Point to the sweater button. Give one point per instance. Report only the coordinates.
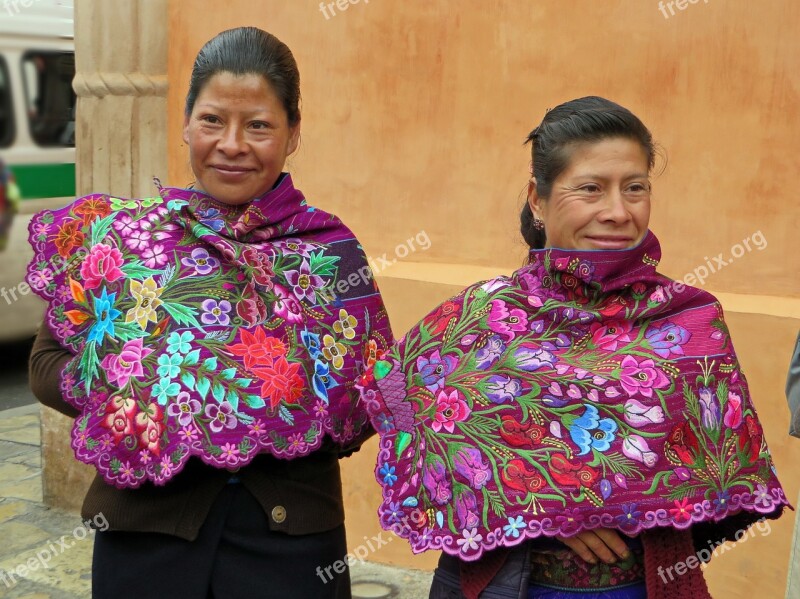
(279, 514)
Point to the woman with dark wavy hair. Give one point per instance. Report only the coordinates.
(581, 429)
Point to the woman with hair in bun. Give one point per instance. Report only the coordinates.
(207, 341)
(582, 428)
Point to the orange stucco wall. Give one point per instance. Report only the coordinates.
(413, 117)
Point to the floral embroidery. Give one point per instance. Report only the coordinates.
(202, 329)
(571, 395)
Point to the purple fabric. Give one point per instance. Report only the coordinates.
(205, 329)
(585, 391)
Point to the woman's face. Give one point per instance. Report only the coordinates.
(601, 201)
(239, 137)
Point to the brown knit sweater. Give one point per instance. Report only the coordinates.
(308, 489)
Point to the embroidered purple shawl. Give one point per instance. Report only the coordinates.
(205, 329)
(584, 391)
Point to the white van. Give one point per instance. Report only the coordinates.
(37, 137)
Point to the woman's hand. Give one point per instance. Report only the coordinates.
(603, 543)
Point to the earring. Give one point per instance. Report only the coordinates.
(538, 224)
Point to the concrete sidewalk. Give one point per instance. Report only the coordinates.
(62, 569)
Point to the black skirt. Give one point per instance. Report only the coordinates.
(236, 555)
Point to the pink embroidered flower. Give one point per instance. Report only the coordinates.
(138, 240)
(297, 442)
(155, 257)
(102, 264)
(636, 448)
(230, 453)
(638, 414)
(119, 419)
(184, 407)
(39, 279)
(507, 322)
(612, 335)
(450, 408)
(641, 377)
(125, 225)
(150, 426)
(303, 282)
(733, 411)
(121, 367)
(287, 306)
(189, 434)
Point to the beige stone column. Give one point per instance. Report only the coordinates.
(121, 83)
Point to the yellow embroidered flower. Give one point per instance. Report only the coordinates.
(345, 325)
(333, 351)
(147, 299)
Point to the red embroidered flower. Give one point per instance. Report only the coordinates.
(119, 419)
(69, 236)
(683, 442)
(257, 348)
(751, 438)
(517, 434)
(150, 426)
(281, 382)
(438, 321)
(516, 475)
(570, 473)
(92, 208)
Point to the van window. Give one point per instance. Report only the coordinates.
(6, 107)
(50, 101)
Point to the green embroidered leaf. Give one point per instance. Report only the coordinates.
(100, 229)
(91, 443)
(254, 401)
(203, 385)
(181, 314)
(188, 380)
(243, 383)
(128, 331)
(311, 435)
(89, 363)
(210, 364)
(228, 374)
(218, 392)
(286, 415)
(279, 440)
(137, 270)
(324, 266)
(192, 358)
(233, 399)
(115, 465)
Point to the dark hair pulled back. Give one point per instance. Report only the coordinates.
(249, 51)
(588, 119)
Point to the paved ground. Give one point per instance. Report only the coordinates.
(46, 553)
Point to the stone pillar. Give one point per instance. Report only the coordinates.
(121, 83)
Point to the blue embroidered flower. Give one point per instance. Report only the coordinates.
(667, 338)
(180, 343)
(514, 526)
(387, 472)
(434, 370)
(105, 313)
(209, 217)
(722, 501)
(490, 353)
(322, 380)
(385, 422)
(592, 432)
(630, 515)
(311, 343)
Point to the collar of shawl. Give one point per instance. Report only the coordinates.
(584, 391)
(204, 329)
